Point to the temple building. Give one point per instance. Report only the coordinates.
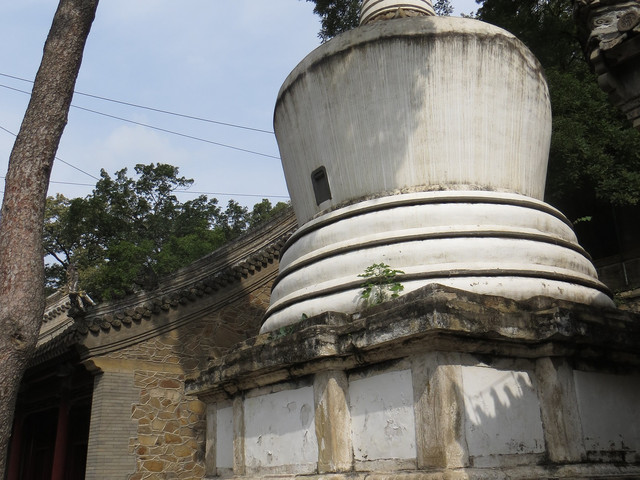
(104, 395)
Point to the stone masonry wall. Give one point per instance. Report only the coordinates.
(169, 425)
(170, 429)
(629, 300)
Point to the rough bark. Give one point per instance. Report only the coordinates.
(22, 298)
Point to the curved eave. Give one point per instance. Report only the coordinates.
(238, 260)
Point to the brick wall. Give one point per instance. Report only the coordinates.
(107, 455)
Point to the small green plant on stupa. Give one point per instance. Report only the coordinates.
(380, 284)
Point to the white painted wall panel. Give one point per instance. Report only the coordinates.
(503, 413)
(280, 430)
(224, 438)
(609, 408)
(382, 418)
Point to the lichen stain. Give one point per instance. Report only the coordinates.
(305, 415)
(393, 429)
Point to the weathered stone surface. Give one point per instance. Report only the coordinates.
(197, 406)
(183, 451)
(434, 315)
(333, 423)
(170, 384)
(439, 403)
(562, 422)
(484, 384)
(148, 440)
(171, 438)
(153, 465)
(610, 33)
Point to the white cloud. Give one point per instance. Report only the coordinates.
(128, 145)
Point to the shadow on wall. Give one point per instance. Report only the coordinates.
(502, 412)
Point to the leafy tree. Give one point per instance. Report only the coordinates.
(130, 231)
(443, 7)
(594, 162)
(341, 15)
(22, 298)
(263, 211)
(545, 26)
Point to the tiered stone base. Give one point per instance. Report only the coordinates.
(440, 383)
(486, 242)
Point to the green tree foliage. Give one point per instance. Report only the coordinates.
(443, 7)
(130, 231)
(594, 164)
(338, 16)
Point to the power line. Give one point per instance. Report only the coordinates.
(222, 194)
(233, 194)
(155, 128)
(182, 115)
(153, 109)
(57, 158)
(177, 191)
(253, 152)
(164, 130)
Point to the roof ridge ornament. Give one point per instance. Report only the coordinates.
(375, 10)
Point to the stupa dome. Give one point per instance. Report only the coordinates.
(422, 143)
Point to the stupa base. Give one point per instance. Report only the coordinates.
(438, 384)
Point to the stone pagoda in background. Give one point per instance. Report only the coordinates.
(421, 143)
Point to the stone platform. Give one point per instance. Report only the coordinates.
(440, 383)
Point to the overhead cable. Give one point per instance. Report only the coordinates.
(177, 191)
(164, 130)
(222, 194)
(57, 158)
(153, 109)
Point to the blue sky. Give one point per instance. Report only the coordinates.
(223, 61)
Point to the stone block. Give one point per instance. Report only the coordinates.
(153, 465)
(280, 431)
(502, 412)
(382, 417)
(148, 440)
(182, 451)
(171, 438)
(196, 406)
(333, 422)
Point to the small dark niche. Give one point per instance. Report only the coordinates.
(320, 183)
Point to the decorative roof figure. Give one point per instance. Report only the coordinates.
(375, 10)
(610, 34)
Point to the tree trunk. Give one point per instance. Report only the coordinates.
(22, 298)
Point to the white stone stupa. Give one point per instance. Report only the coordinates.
(421, 143)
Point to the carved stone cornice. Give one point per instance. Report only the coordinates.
(610, 34)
